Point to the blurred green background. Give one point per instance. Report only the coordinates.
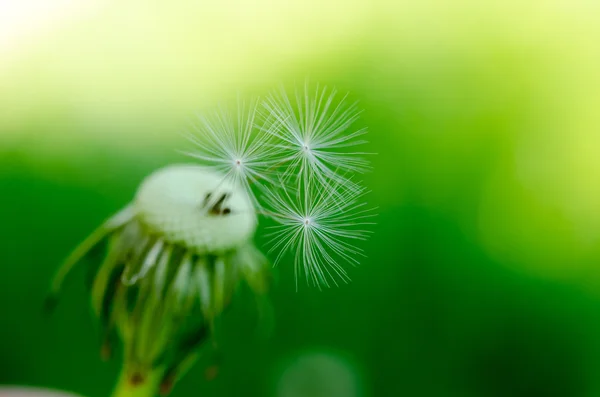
(482, 278)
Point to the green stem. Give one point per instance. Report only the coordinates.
(129, 386)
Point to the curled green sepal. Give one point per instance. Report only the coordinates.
(99, 235)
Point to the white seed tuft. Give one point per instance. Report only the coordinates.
(231, 143)
(321, 230)
(297, 159)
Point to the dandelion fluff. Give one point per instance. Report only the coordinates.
(231, 143)
(321, 230)
(316, 136)
(301, 154)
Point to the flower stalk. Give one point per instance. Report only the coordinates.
(130, 385)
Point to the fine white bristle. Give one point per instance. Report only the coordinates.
(233, 145)
(321, 230)
(315, 135)
(301, 152)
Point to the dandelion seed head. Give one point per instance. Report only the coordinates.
(174, 257)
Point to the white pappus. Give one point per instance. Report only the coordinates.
(297, 157)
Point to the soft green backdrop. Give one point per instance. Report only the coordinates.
(482, 278)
